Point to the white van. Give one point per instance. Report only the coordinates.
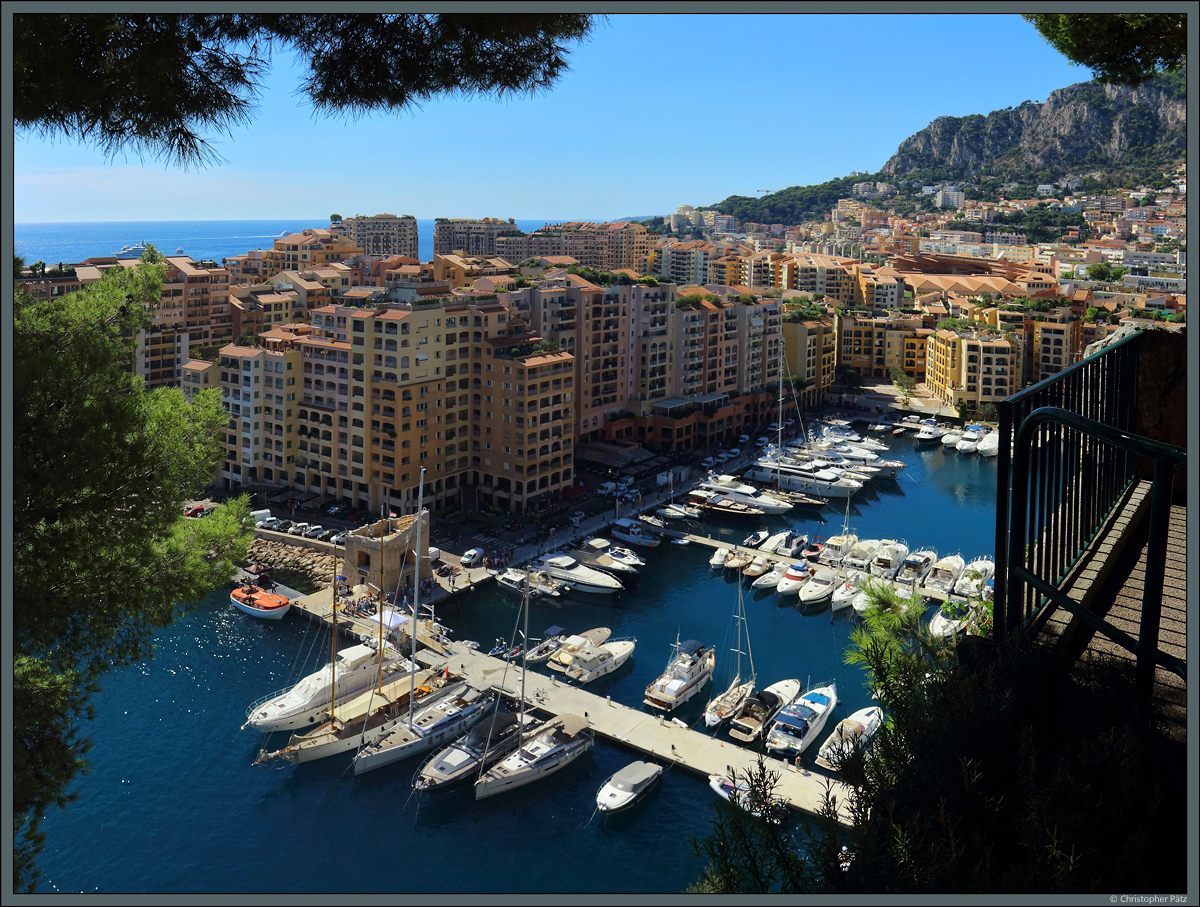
(260, 516)
(607, 488)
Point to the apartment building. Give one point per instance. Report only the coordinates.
(810, 351)
(461, 270)
(308, 249)
(379, 234)
(472, 238)
(874, 346)
(971, 367)
(604, 247)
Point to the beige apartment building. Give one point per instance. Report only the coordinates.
(308, 249)
(604, 247)
(379, 234)
(472, 238)
(875, 345)
(972, 367)
(810, 348)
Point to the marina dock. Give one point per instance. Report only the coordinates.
(665, 740)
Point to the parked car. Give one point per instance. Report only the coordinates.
(337, 538)
(707, 462)
(284, 526)
(314, 531)
(299, 528)
(472, 558)
(735, 453)
(744, 439)
(607, 488)
(193, 510)
(272, 524)
(328, 534)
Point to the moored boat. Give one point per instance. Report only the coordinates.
(551, 747)
(593, 662)
(760, 707)
(564, 655)
(496, 735)
(582, 578)
(454, 709)
(794, 578)
(888, 559)
(940, 580)
(689, 669)
(552, 639)
(850, 734)
(635, 532)
(798, 724)
(258, 602)
(627, 786)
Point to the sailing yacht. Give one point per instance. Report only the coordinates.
(722, 706)
(453, 710)
(487, 743)
(553, 745)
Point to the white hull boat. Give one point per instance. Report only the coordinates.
(974, 578)
(795, 578)
(850, 734)
(989, 444)
(737, 490)
(537, 583)
(721, 707)
(770, 579)
(455, 710)
(859, 557)
(309, 701)
(496, 735)
(819, 589)
(844, 594)
(738, 794)
(687, 672)
(916, 567)
(836, 548)
(582, 579)
(627, 787)
(616, 552)
(635, 532)
(250, 599)
(756, 712)
(940, 580)
(797, 725)
(564, 655)
(552, 639)
(719, 557)
(593, 662)
(553, 746)
(888, 559)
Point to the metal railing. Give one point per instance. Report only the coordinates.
(1067, 461)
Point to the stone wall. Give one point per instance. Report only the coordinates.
(319, 565)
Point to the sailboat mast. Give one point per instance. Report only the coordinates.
(412, 640)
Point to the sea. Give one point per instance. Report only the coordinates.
(173, 804)
(206, 240)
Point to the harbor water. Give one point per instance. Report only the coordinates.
(173, 803)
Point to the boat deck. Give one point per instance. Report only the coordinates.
(652, 734)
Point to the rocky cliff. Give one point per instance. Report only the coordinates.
(1080, 129)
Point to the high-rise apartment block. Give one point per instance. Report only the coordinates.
(380, 234)
(472, 238)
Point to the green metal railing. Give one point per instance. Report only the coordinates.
(1068, 468)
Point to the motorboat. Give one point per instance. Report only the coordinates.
(794, 545)
(771, 578)
(989, 444)
(258, 602)
(928, 433)
(916, 567)
(723, 505)
(952, 617)
(717, 561)
(757, 567)
(654, 522)
(819, 589)
(687, 671)
(970, 439)
(760, 707)
(940, 580)
(678, 512)
(635, 532)
(602, 561)
(552, 639)
(550, 747)
(616, 552)
(455, 708)
(738, 794)
(888, 559)
(722, 706)
(493, 738)
(756, 538)
(359, 721)
(582, 578)
(844, 594)
(353, 670)
(974, 576)
(951, 438)
(812, 550)
(850, 734)
(798, 724)
(794, 578)
(537, 583)
(829, 486)
(772, 542)
(860, 555)
(737, 560)
(564, 655)
(133, 250)
(836, 548)
(736, 490)
(628, 786)
(593, 662)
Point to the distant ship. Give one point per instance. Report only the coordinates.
(136, 248)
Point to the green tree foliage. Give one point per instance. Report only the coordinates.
(1123, 48)
(793, 205)
(904, 382)
(101, 553)
(1105, 272)
(152, 83)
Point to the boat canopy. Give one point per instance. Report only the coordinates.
(690, 647)
(553, 631)
(634, 775)
(797, 715)
(354, 656)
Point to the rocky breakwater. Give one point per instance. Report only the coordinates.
(317, 565)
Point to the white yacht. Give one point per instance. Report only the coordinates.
(760, 707)
(989, 444)
(564, 655)
(794, 578)
(797, 725)
(593, 662)
(616, 552)
(454, 709)
(636, 532)
(916, 567)
(552, 639)
(850, 734)
(888, 559)
(970, 439)
(836, 548)
(687, 672)
(552, 746)
(536, 583)
(928, 433)
(736, 490)
(496, 735)
(309, 701)
(582, 579)
(859, 557)
(819, 589)
(844, 594)
(974, 577)
(940, 580)
(792, 472)
(771, 578)
(951, 438)
(626, 787)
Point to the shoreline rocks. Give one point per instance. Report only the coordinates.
(319, 566)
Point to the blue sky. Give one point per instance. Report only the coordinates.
(656, 111)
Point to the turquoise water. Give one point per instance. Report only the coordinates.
(173, 804)
(211, 240)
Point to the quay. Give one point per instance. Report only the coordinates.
(668, 741)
